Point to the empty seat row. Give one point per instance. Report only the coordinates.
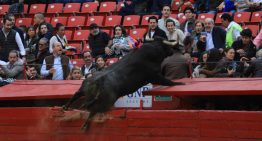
(87, 7)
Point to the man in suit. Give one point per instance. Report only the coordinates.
(214, 37)
(153, 30)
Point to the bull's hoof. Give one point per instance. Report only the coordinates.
(100, 118)
(64, 107)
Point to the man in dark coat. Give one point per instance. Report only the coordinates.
(214, 37)
(154, 30)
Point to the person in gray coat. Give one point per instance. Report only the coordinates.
(13, 68)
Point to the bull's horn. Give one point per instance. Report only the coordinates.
(169, 43)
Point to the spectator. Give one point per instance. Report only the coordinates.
(227, 6)
(59, 37)
(255, 67)
(202, 65)
(156, 5)
(188, 26)
(227, 67)
(233, 29)
(89, 67)
(255, 5)
(183, 4)
(98, 41)
(122, 43)
(175, 34)
(100, 63)
(136, 7)
(14, 27)
(242, 5)
(175, 66)
(56, 66)
(213, 57)
(39, 19)
(75, 74)
(214, 37)
(190, 42)
(31, 73)
(245, 49)
(207, 6)
(10, 40)
(153, 30)
(258, 40)
(44, 32)
(13, 68)
(166, 11)
(43, 51)
(30, 41)
(17, 8)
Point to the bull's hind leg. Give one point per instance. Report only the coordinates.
(87, 123)
(76, 96)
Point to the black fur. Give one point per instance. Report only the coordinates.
(138, 68)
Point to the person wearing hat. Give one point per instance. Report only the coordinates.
(99, 41)
(244, 48)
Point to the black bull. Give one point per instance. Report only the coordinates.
(138, 68)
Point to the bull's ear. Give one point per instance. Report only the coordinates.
(170, 43)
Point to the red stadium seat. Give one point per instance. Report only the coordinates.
(253, 28)
(23, 21)
(78, 62)
(55, 20)
(25, 8)
(3, 9)
(113, 20)
(72, 8)
(95, 19)
(78, 47)
(68, 34)
(89, 7)
(36, 8)
(131, 20)
(48, 19)
(256, 16)
(241, 17)
(55, 8)
(145, 18)
(75, 21)
(203, 16)
(81, 35)
(107, 7)
(137, 33)
(218, 17)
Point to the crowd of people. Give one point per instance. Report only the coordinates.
(201, 48)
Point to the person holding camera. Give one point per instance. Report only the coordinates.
(227, 67)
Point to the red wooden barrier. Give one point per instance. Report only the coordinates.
(42, 124)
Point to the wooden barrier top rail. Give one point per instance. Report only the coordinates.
(211, 86)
